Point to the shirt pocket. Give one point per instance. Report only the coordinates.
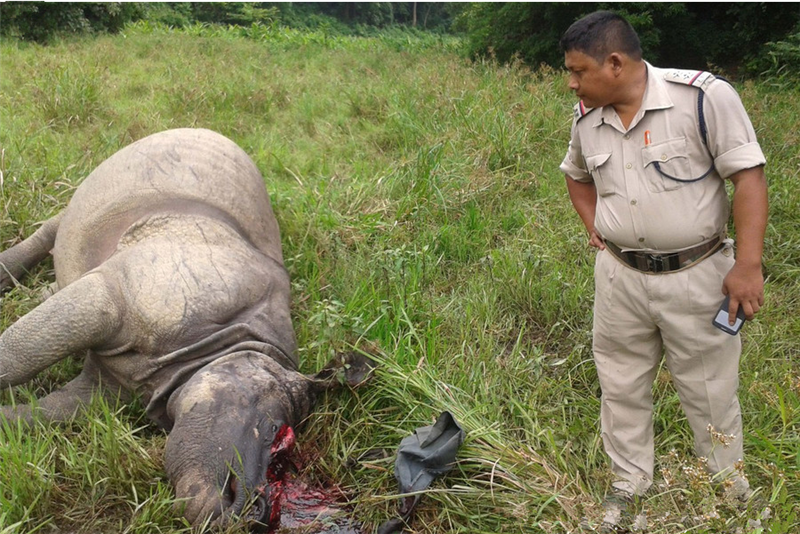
(668, 158)
(600, 169)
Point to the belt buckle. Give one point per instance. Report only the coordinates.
(655, 263)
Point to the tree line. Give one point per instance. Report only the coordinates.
(40, 21)
(739, 38)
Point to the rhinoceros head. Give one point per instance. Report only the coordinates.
(233, 429)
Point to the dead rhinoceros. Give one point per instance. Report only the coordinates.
(171, 280)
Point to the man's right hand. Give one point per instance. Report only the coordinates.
(595, 240)
(584, 199)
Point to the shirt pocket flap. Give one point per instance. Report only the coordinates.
(593, 162)
(665, 152)
(600, 170)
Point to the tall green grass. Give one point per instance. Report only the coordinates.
(423, 218)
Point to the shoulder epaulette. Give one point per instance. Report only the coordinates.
(696, 78)
(581, 111)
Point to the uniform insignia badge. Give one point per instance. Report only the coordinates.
(581, 110)
(696, 78)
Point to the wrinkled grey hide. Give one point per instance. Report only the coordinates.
(168, 260)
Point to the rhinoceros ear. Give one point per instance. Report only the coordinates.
(349, 368)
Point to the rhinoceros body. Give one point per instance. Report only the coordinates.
(171, 281)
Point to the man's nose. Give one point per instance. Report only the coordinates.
(573, 83)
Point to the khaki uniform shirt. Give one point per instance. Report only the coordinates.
(639, 208)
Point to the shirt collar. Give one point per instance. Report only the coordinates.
(655, 97)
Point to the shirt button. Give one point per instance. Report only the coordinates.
(663, 157)
(628, 166)
(633, 202)
(641, 240)
(626, 137)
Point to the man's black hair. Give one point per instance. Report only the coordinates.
(602, 33)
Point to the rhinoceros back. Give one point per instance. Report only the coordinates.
(193, 171)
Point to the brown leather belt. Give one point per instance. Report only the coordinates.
(654, 262)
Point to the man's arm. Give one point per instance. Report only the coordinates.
(745, 281)
(584, 199)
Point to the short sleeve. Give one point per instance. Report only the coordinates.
(573, 164)
(731, 136)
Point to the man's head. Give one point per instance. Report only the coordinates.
(597, 49)
(600, 34)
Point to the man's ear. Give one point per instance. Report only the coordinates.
(616, 61)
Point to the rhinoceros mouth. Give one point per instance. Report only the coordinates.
(264, 512)
(282, 446)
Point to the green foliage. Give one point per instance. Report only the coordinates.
(425, 15)
(782, 63)
(173, 14)
(680, 34)
(39, 21)
(528, 30)
(236, 13)
(744, 28)
(396, 37)
(308, 16)
(423, 218)
(82, 472)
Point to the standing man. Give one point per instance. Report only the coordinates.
(646, 167)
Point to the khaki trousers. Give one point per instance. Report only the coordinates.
(637, 317)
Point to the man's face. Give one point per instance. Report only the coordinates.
(593, 82)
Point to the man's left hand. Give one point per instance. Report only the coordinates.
(745, 281)
(745, 285)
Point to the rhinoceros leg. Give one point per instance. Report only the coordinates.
(22, 257)
(81, 316)
(62, 404)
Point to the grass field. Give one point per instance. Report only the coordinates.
(423, 218)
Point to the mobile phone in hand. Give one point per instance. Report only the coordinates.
(721, 319)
